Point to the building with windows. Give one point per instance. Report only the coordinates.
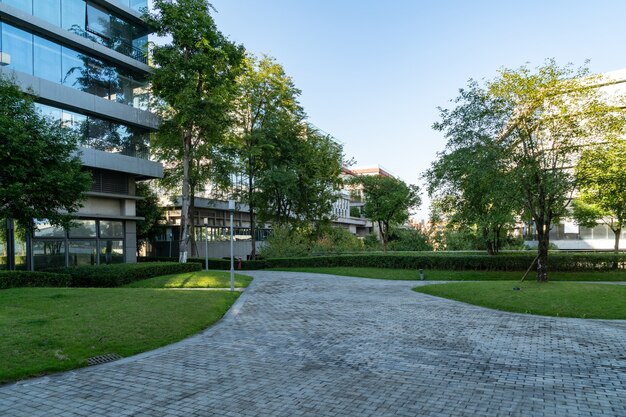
(86, 63)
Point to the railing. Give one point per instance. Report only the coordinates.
(117, 45)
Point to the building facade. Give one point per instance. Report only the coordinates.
(86, 63)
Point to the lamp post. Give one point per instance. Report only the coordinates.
(206, 245)
(231, 209)
(171, 237)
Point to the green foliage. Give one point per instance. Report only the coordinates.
(122, 274)
(372, 242)
(194, 87)
(470, 182)
(40, 172)
(337, 240)
(408, 240)
(150, 210)
(524, 129)
(14, 279)
(284, 242)
(601, 181)
(355, 211)
(387, 202)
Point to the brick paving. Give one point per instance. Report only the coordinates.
(300, 344)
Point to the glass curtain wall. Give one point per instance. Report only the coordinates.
(32, 54)
(87, 242)
(93, 22)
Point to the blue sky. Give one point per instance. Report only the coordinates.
(372, 73)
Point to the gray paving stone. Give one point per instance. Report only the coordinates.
(309, 345)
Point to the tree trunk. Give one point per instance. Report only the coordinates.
(184, 212)
(488, 241)
(383, 235)
(252, 219)
(617, 233)
(192, 221)
(543, 239)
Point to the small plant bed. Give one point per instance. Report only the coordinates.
(44, 330)
(561, 299)
(199, 279)
(440, 275)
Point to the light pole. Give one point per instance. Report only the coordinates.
(171, 237)
(231, 209)
(206, 245)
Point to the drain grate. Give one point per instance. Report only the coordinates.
(97, 360)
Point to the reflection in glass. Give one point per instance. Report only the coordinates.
(111, 251)
(82, 252)
(44, 229)
(47, 63)
(24, 5)
(48, 10)
(111, 228)
(18, 44)
(73, 15)
(48, 253)
(83, 228)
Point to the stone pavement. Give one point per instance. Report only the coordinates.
(300, 344)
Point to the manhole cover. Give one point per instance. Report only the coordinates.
(97, 360)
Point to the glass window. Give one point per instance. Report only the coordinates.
(111, 251)
(24, 5)
(47, 60)
(48, 253)
(52, 113)
(19, 46)
(111, 228)
(98, 21)
(48, 10)
(45, 229)
(99, 76)
(139, 4)
(82, 252)
(73, 15)
(75, 122)
(73, 69)
(83, 228)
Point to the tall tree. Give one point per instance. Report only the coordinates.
(194, 85)
(469, 179)
(267, 110)
(40, 172)
(302, 179)
(551, 113)
(601, 181)
(152, 212)
(387, 202)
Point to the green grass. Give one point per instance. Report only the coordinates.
(199, 279)
(563, 299)
(438, 275)
(45, 330)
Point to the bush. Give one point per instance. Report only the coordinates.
(285, 243)
(122, 274)
(408, 240)
(337, 240)
(372, 242)
(14, 279)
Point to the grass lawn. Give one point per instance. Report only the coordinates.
(200, 279)
(45, 330)
(564, 299)
(438, 275)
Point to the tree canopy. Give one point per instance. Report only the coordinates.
(194, 86)
(40, 170)
(601, 181)
(538, 120)
(387, 202)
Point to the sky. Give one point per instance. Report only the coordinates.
(373, 73)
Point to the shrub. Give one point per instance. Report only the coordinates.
(337, 240)
(408, 240)
(14, 279)
(285, 243)
(372, 242)
(121, 274)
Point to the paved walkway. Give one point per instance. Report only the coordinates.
(300, 344)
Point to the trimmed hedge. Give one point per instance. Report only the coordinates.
(15, 279)
(122, 274)
(557, 261)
